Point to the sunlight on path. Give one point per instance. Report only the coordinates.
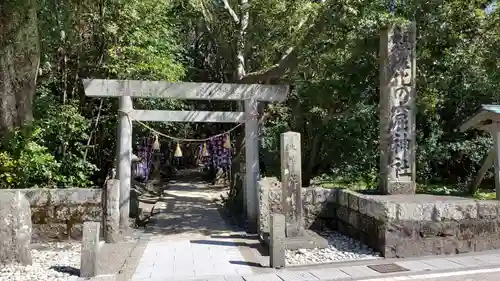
(190, 238)
(189, 208)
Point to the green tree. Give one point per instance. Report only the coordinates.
(19, 60)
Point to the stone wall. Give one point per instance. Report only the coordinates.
(419, 225)
(59, 213)
(395, 225)
(317, 204)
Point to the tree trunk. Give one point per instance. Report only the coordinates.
(311, 162)
(238, 164)
(19, 61)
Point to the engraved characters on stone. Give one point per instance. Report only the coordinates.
(400, 127)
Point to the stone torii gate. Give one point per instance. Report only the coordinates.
(251, 94)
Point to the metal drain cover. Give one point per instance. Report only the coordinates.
(388, 268)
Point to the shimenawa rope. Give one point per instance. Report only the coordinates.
(183, 139)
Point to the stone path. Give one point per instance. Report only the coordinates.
(188, 210)
(209, 268)
(191, 241)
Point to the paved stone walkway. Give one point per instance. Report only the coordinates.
(191, 241)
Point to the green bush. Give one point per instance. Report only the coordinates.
(48, 153)
(25, 164)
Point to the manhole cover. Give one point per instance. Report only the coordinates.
(388, 268)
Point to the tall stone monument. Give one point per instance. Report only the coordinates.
(291, 180)
(287, 230)
(397, 109)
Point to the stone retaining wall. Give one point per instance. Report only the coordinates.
(318, 204)
(419, 225)
(396, 225)
(60, 213)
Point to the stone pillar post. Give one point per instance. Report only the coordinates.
(15, 228)
(90, 249)
(124, 158)
(112, 218)
(277, 257)
(397, 109)
(252, 170)
(291, 183)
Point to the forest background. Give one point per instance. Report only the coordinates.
(54, 136)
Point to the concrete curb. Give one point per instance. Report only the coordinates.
(300, 267)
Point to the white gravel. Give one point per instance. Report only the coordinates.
(51, 262)
(341, 248)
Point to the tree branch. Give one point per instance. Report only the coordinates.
(240, 40)
(291, 57)
(231, 12)
(206, 16)
(277, 70)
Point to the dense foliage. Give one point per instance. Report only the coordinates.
(327, 50)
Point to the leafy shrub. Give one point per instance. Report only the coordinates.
(25, 164)
(49, 152)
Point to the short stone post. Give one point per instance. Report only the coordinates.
(291, 183)
(15, 228)
(112, 221)
(277, 258)
(90, 249)
(397, 109)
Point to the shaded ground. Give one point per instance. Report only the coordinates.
(188, 227)
(188, 209)
(192, 210)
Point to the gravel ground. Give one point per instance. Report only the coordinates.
(341, 248)
(51, 262)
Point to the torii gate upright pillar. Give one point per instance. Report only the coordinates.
(124, 158)
(252, 174)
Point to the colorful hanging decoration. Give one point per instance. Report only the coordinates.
(156, 143)
(227, 142)
(178, 151)
(220, 156)
(204, 151)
